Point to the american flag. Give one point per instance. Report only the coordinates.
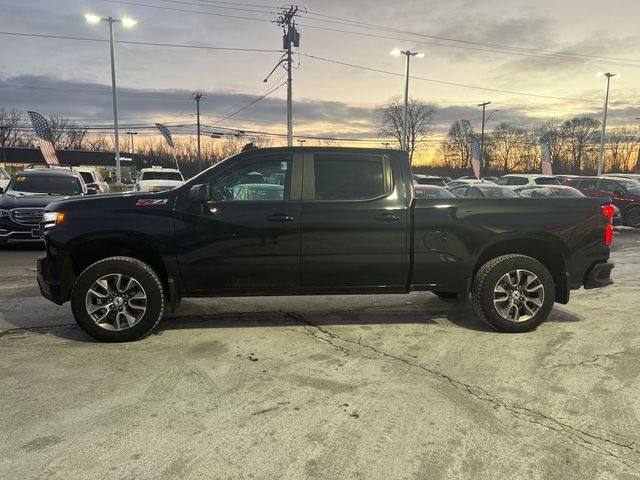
(165, 133)
(43, 132)
(547, 168)
(475, 156)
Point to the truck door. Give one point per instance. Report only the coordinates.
(246, 236)
(355, 221)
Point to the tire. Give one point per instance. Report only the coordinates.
(632, 217)
(528, 297)
(118, 299)
(446, 295)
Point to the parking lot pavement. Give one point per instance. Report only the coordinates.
(371, 387)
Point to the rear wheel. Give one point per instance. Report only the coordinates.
(632, 217)
(513, 293)
(118, 299)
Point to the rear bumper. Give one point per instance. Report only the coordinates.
(49, 288)
(599, 275)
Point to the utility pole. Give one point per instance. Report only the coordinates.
(290, 38)
(484, 110)
(197, 97)
(604, 122)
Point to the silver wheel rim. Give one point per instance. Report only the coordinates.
(518, 296)
(116, 302)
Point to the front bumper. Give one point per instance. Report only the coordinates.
(49, 288)
(599, 275)
(11, 232)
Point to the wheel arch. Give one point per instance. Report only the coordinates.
(548, 250)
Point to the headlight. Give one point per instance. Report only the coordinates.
(52, 218)
(4, 213)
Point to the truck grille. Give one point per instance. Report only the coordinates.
(27, 216)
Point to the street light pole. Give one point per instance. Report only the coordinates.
(484, 109)
(404, 143)
(604, 121)
(126, 22)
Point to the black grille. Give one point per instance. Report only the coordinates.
(27, 216)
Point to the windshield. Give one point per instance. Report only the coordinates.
(633, 187)
(46, 184)
(497, 192)
(161, 176)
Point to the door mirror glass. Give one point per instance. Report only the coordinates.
(199, 193)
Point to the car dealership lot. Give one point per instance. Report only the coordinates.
(323, 387)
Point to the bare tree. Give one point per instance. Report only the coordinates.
(12, 128)
(420, 117)
(507, 142)
(66, 133)
(552, 133)
(582, 135)
(622, 148)
(456, 149)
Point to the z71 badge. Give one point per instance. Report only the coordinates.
(152, 201)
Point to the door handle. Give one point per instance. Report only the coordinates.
(281, 217)
(387, 217)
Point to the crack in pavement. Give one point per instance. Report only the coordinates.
(589, 361)
(583, 438)
(11, 331)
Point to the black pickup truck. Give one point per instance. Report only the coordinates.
(287, 221)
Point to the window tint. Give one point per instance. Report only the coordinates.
(607, 186)
(589, 184)
(518, 181)
(86, 176)
(460, 191)
(547, 181)
(474, 192)
(503, 181)
(151, 175)
(432, 193)
(258, 180)
(350, 177)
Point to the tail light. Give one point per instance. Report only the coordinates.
(608, 211)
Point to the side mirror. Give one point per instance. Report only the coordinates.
(199, 193)
(1, 190)
(91, 191)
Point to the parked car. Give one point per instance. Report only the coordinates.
(4, 178)
(548, 191)
(158, 179)
(468, 181)
(483, 191)
(93, 179)
(630, 176)
(513, 180)
(419, 179)
(624, 193)
(348, 222)
(431, 191)
(28, 193)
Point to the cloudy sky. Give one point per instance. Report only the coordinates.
(532, 60)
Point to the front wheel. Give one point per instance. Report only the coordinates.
(513, 293)
(118, 299)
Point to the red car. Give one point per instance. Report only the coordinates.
(624, 193)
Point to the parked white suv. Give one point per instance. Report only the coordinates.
(518, 180)
(158, 179)
(93, 179)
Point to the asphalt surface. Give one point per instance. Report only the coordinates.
(370, 387)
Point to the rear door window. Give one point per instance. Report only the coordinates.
(351, 177)
(589, 184)
(547, 181)
(607, 186)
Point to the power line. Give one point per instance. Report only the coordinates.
(356, 23)
(251, 103)
(443, 82)
(145, 44)
(184, 10)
